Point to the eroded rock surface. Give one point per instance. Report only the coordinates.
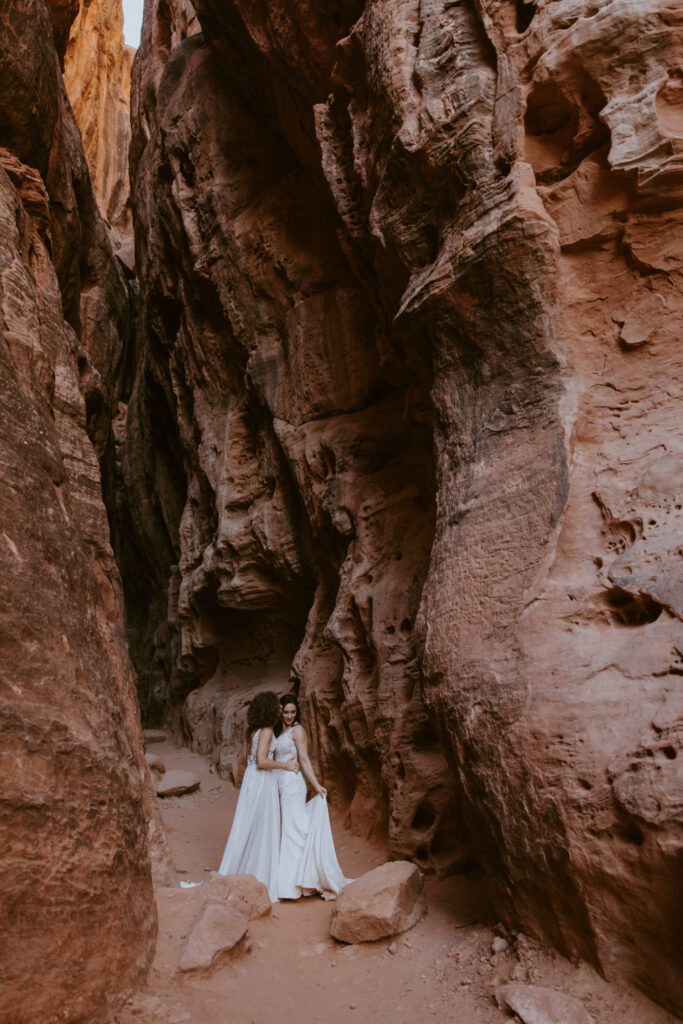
(412, 295)
(77, 811)
(97, 77)
(386, 901)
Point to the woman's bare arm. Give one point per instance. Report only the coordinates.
(301, 743)
(264, 762)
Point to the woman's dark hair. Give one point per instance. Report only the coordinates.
(263, 712)
(288, 698)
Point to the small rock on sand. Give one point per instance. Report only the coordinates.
(175, 783)
(154, 736)
(383, 902)
(155, 763)
(536, 1005)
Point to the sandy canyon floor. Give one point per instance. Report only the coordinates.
(293, 972)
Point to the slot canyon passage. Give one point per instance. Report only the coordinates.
(364, 382)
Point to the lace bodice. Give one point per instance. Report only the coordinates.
(285, 747)
(254, 746)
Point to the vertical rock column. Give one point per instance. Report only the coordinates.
(76, 904)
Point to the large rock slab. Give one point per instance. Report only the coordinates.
(385, 901)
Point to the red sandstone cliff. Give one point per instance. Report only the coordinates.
(97, 68)
(411, 295)
(76, 813)
(398, 426)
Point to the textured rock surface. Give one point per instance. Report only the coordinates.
(175, 783)
(97, 77)
(412, 294)
(214, 935)
(385, 901)
(242, 893)
(308, 512)
(77, 811)
(536, 1005)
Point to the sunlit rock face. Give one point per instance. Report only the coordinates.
(97, 68)
(411, 299)
(76, 814)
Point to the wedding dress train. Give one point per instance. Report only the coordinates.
(253, 845)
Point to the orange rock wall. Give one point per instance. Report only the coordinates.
(411, 293)
(76, 813)
(97, 68)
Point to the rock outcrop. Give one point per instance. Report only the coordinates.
(97, 69)
(308, 515)
(411, 296)
(77, 811)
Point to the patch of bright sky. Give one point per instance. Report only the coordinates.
(132, 21)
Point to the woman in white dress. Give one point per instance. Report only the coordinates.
(308, 862)
(254, 840)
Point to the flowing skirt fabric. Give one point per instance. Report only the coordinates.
(254, 842)
(308, 862)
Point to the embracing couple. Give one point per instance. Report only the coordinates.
(276, 836)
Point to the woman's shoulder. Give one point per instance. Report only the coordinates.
(298, 729)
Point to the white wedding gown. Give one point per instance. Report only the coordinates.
(308, 862)
(254, 840)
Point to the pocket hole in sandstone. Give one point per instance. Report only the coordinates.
(423, 818)
(391, 630)
(425, 737)
(670, 752)
(525, 14)
(406, 626)
(632, 834)
(632, 609)
(584, 783)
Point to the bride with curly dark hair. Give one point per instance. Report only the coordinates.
(253, 845)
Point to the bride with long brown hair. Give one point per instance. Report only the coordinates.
(253, 846)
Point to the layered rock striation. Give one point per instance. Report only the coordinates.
(97, 68)
(76, 809)
(411, 293)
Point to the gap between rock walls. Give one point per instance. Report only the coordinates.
(340, 357)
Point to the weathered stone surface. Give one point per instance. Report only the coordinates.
(71, 752)
(243, 894)
(77, 913)
(177, 782)
(97, 69)
(412, 301)
(536, 1005)
(385, 901)
(298, 502)
(215, 934)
